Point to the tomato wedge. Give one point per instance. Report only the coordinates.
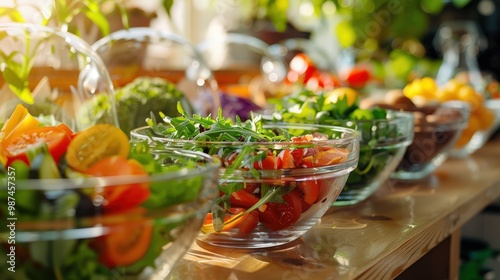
(270, 162)
(120, 197)
(243, 198)
(278, 216)
(95, 143)
(309, 190)
(125, 244)
(286, 159)
(16, 145)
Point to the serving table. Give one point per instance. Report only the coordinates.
(404, 231)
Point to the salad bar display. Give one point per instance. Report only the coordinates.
(385, 135)
(89, 205)
(276, 180)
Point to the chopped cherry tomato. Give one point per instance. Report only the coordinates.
(286, 159)
(297, 155)
(16, 145)
(307, 162)
(251, 188)
(120, 197)
(249, 223)
(125, 244)
(229, 159)
(95, 143)
(282, 215)
(242, 198)
(270, 162)
(357, 77)
(309, 190)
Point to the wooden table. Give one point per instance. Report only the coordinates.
(404, 231)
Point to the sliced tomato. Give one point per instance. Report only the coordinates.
(307, 162)
(278, 216)
(270, 162)
(125, 244)
(249, 223)
(309, 190)
(120, 197)
(243, 198)
(17, 144)
(95, 143)
(297, 155)
(286, 159)
(252, 188)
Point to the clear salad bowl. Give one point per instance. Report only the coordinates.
(435, 136)
(74, 228)
(272, 191)
(51, 73)
(152, 70)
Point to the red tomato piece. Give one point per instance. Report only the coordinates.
(357, 77)
(252, 188)
(286, 159)
(120, 197)
(307, 162)
(309, 190)
(126, 244)
(242, 198)
(270, 162)
(16, 145)
(302, 65)
(297, 155)
(282, 215)
(249, 223)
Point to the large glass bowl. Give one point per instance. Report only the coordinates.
(435, 136)
(51, 73)
(152, 70)
(296, 193)
(61, 232)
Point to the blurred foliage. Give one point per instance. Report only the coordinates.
(61, 14)
(362, 19)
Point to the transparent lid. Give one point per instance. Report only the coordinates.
(146, 52)
(52, 74)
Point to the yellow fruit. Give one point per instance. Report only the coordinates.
(474, 123)
(486, 117)
(429, 86)
(453, 85)
(446, 95)
(464, 138)
(336, 94)
(475, 101)
(466, 91)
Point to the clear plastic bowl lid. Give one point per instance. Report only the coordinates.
(52, 73)
(147, 52)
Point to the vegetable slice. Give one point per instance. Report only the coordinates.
(95, 143)
(16, 145)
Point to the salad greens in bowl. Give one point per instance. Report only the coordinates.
(276, 180)
(91, 205)
(385, 134)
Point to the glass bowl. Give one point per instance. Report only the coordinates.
(273, 192)
(482, 124)
(382, 146)
(435, 135)
(385, 135)
(152, 70)
(63, 228)
(51, 73)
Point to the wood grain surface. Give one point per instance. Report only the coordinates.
(377, 239)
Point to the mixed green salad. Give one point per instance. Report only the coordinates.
(383, 134)
(89, 229)
(135, 101)
(253, 189)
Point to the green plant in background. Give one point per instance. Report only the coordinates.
(16, 66)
